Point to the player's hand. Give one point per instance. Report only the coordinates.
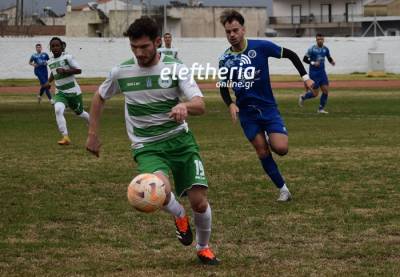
(309, 84)
(179, 113)
(60, 70)
(233, 110)
(93, 144)
(317, 64)
(333, 63)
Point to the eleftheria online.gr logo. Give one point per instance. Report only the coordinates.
(235, 76)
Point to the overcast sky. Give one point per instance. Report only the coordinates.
(59, 5)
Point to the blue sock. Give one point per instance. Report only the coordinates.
(323, 100)
(272, 171)
(48, 94)
(41, 91)
(308, 95)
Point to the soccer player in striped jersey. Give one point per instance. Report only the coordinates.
(255, 104)
(68, 93)
(167, 49)
(155, 121)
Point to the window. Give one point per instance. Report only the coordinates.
(326, 13)
(350, 9)
(296, 14)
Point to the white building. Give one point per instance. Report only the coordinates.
(306, 18)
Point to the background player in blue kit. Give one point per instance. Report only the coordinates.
(247, 73)
(39, 61)
(315, 57)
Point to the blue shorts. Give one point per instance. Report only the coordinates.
(319, 78)
(255, 119)
(42, 76)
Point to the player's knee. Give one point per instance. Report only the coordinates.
(198, 199)
(281, 150)
(199, 206)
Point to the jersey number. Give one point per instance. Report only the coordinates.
(199, 168)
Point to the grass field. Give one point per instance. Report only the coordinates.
(64, 212)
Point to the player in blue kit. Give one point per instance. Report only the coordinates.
(244, 67)
(39, 61)
(315, 57)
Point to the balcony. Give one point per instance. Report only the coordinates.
(311, 21)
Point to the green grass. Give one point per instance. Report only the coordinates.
(64, 212)
(275, 78)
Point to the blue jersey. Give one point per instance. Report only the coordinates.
(316, 53)
(250, 89)
(41, 60)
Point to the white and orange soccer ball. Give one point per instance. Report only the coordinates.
(146, 193)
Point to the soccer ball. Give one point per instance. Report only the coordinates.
(146, 193)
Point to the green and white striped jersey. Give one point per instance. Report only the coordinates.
(65, 83)
(173, 52)
(149, 98)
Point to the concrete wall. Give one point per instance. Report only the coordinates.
(77, 23)
(86, 23)
(10, 14)
(120, 21)
(204, 21)
(98, 55)
(394, 8)
(255, 21)
(391, 9)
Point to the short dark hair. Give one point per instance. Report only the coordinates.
(231, 15)
(144, 26)
(167, 34)
(55, 38)
(319, 35)
(38, 44)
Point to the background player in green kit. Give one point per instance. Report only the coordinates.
(68, 93)
(155, 120)
(168, 50)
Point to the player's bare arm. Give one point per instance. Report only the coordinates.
(69, 71)
(195, 106)
(93, 142)
(233, 110)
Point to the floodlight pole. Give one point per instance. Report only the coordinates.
(165, 18)
(352, 20)
(16, 12)
(22, 12)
